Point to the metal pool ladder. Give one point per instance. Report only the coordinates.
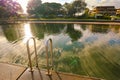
(49, 61)
(29, 55)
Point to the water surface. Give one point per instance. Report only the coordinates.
(91, 50)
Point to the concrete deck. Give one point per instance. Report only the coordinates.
(10, 72)
(15, 72)
(41, 75)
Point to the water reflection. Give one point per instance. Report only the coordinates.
(10, 32)
(74, 34)
(28, 33)
(27, 30)
(91, 50)
(10, 53)
(41, 30)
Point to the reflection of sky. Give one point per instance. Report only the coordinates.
(98, 38)
(27, 31)
(64, 41)
(59, 40)
(89, 44)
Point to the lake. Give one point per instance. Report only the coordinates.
(85, 49)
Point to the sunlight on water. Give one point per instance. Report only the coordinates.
(90, 50)
(28, 33)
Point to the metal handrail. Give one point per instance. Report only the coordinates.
(51, 57)
(29, 55)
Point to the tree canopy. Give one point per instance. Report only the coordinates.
(49, 9)
(9, 8)
(39, 9)
(32, 5)
(77, 6)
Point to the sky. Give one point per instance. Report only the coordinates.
(23, 5)
(58, 1)
(91, 3)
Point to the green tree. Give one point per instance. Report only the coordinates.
(76, 6)
(69, 9)
(85, 14)
(32, 6)
(9, 8)
(47, 10)
(79, 5)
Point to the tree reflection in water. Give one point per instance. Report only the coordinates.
(91, 50)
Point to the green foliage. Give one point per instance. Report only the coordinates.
(9, 8)
(79, 5)
(47, 10)
(69, 9)
(51, 10)
(107, 17)
(85, 15)
(32, 6)
(76, 6)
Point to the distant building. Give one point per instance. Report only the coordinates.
(118, 11)
(104, 11)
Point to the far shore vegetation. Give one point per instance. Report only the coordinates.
(37, 10)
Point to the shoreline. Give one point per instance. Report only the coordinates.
(112, 22)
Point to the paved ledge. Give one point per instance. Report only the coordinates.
(41, 75)
(10, 72)
(17, 72)
(79, 21)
